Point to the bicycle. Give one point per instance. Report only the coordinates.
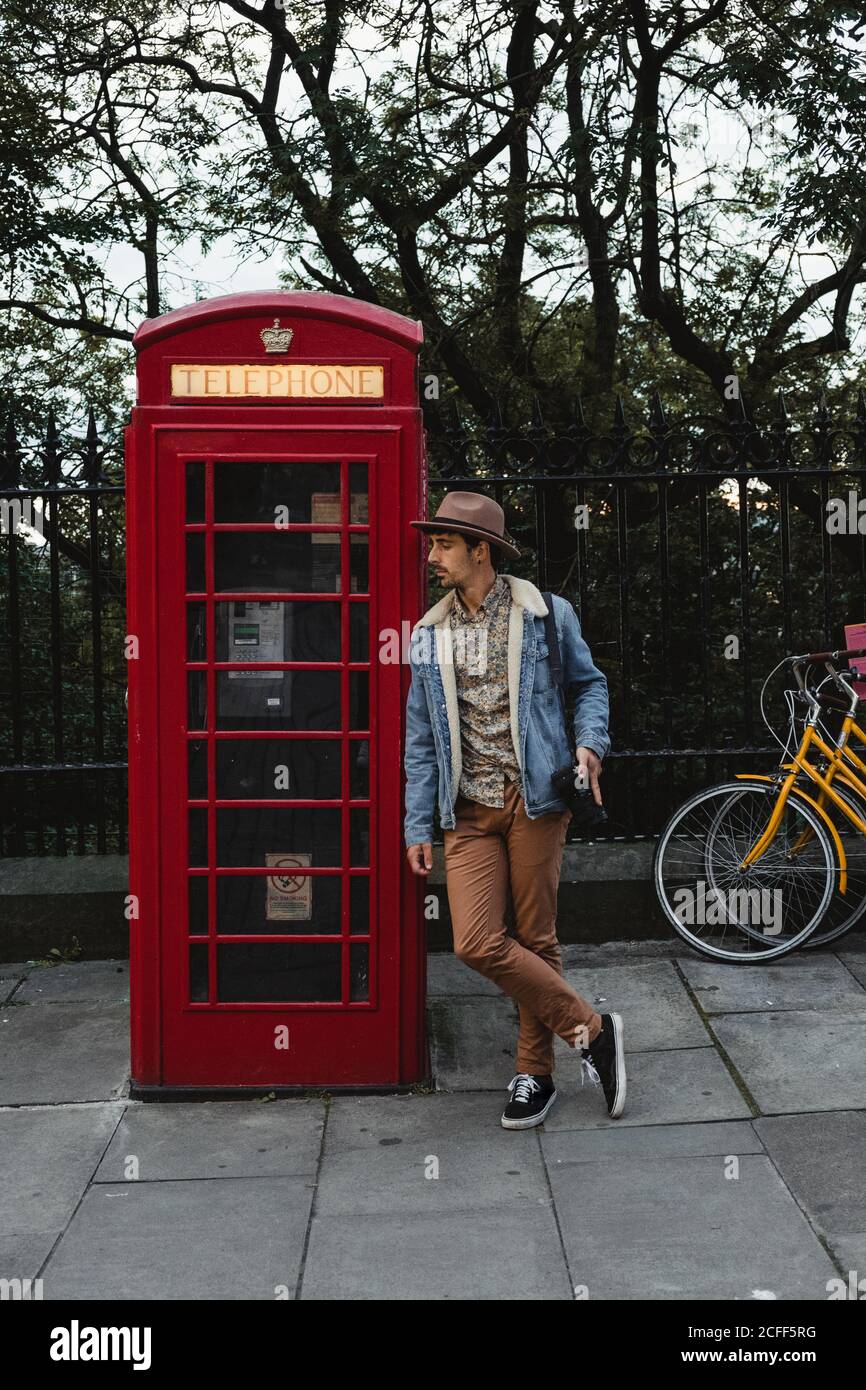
(761, 855)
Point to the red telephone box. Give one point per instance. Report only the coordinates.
(274, 458)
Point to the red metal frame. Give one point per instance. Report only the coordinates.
(178, 1044)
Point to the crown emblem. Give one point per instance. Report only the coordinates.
(276, 339)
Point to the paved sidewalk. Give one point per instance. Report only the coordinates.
(738, 1170)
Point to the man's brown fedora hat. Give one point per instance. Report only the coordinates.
(472, 514)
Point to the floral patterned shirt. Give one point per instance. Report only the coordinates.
(480, 643)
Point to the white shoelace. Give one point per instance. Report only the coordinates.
(523, 1085)
(588, 1070)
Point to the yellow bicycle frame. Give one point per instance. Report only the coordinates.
(836, 757)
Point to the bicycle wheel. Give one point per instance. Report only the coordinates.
(846, 909)
(758, 913)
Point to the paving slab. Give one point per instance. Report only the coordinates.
(656, 1010)
(665, 1228)
(22, 1257)
(213, 1239)
(76, 982)
(690, 1085)
(650, 1141)
(48, 1157)
(855, 961)
(368, 1123)
(425, 1154)
(472, 1042)
(826, 1178)
(512, 1252)
(215, 1139)
(74, 1052)
(850, 1253)
(798, 1060)
(794, 982)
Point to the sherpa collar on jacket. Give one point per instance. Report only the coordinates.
(524, 597)
(523, 594)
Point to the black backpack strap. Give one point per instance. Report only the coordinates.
(552, 641)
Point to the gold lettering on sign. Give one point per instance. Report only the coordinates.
(310, 380)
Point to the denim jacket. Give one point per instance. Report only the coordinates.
(433, 759)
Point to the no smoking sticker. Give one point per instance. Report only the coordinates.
(290, 893)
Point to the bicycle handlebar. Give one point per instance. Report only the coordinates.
(829, 701)
(799, 663)
(811, 658)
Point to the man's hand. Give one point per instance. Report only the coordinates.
(420, 858)
(589, 766)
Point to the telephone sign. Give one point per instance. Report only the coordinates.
(274, 457)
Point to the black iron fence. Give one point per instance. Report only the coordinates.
(696, 552)
(62, 665)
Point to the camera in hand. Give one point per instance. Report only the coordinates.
(586, 813)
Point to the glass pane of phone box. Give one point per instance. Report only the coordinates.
(280, 971)
(261, 562)
(293, 700)
(281, 493)
(245, 835)
(275, 631)
(303, 971)
(263, 972)
(271, 769)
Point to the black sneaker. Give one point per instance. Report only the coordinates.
(603, 1061)
(532, 1097)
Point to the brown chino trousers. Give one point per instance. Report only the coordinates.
(487, 848)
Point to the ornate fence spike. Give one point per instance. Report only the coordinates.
(658, 414)
(495, 431)
(781, 453)
(91, 450)
(51, 451)
(579, 425)
(455, 428)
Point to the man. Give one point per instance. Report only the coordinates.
(484, 731)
